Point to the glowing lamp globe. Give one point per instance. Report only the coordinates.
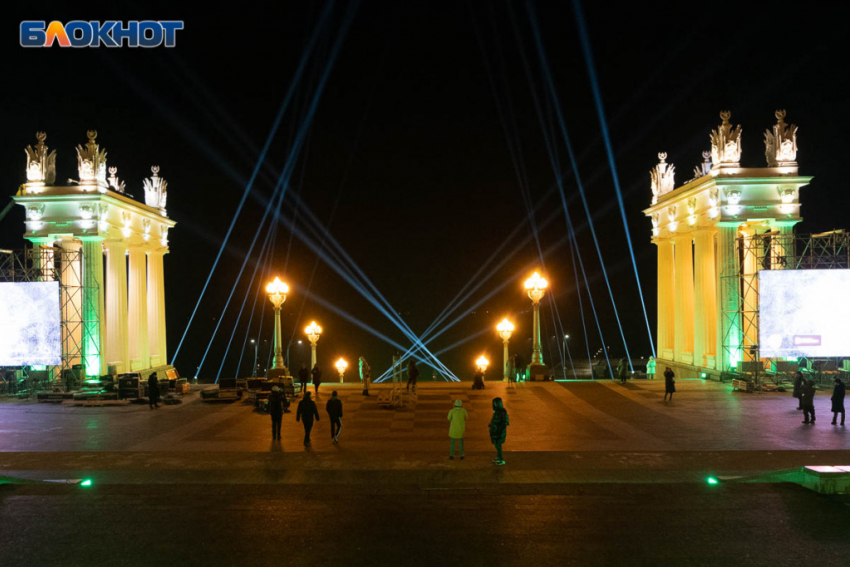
(313, 331)
(536, 286)
(277, 291)
(505, 329)
(482, 363)
(341, 365)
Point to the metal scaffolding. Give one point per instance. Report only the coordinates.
(64, 266)
(769, 251)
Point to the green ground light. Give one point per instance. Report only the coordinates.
(712, 480)
(87, 482)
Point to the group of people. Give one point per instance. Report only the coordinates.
(305, 374)
(306, 413)
(804, 391)
(498, 428)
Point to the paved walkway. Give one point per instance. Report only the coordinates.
(560, 432)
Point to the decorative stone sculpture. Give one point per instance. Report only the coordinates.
(781, 144)
(726, 143)
(155, 191)
(705, 167)
(41, 166)
(114, 183)
(91, 163)
(661, 177)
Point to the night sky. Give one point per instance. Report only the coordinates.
(407, 162)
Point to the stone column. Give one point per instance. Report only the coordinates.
(42, 258)
(117, 351)
(93, 306)
(666, 294)
(729, 351)
(71, 300)
(138, 311)
(684, 299)
(156, 308)
(705, 300)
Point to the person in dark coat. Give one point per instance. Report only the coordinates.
(519, 366)
(153, 391)
(798, 385)
(334, 409)
(622, 371)
(478, 380)
(303, 377)
(838, 401)
(412, 375)
(276, 412)
(499, 429)
(807, 400)
(669, 384)
(305, 413)
(317, 378)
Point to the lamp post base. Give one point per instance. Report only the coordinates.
(281, 377)
(538, 372)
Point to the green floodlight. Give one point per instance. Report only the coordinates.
(87, 482)
(712, 480)
(703, 375)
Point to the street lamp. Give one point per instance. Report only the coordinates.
(505, 329)
(287, 351)
(313, 332)
(341, 365)
(482, 363)
(256, 347)
(277, 291)
(536, 288)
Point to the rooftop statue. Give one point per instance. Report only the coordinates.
(41, 166)
(114, 183)
(726, 143)
(705, 167)
(91, 163)
(781, 144)
(155, 190)
(661, 177)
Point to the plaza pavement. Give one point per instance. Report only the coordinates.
(565, 432)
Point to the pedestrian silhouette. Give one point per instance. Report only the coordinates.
(305, 413)
(499, 429)
(317, 378)
(334, 409)
(276, 412)
(838, 401)
(669, 384)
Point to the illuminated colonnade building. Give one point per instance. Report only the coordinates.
(120, 315)
(702, 281)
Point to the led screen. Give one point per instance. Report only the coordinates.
(29, 324)
(804, 313)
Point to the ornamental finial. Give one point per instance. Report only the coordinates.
(41, 166)
(726, 143)
(781, 144)
(661, 177)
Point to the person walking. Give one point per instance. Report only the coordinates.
(499, 429)
(798, 386)
(838, 401)
(510, 372)
(412, 375)
(276, 412)
(317, 378)
(305, 413)
(669, 384)
(622, 371)
(153, 391)
(457, 426)
(365, 375)
(807, 400)
(519, 364)
(650, 368)
(303, 377)
(334, 409)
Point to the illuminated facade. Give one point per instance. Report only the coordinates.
(696, 228)
(122, 307)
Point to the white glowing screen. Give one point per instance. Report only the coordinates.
(804, 313)
(29, 324)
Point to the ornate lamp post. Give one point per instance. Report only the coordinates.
(313, 332)
(505, 329)
(536, 288)
(277, 291)
(482, 363)
(341, 365)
